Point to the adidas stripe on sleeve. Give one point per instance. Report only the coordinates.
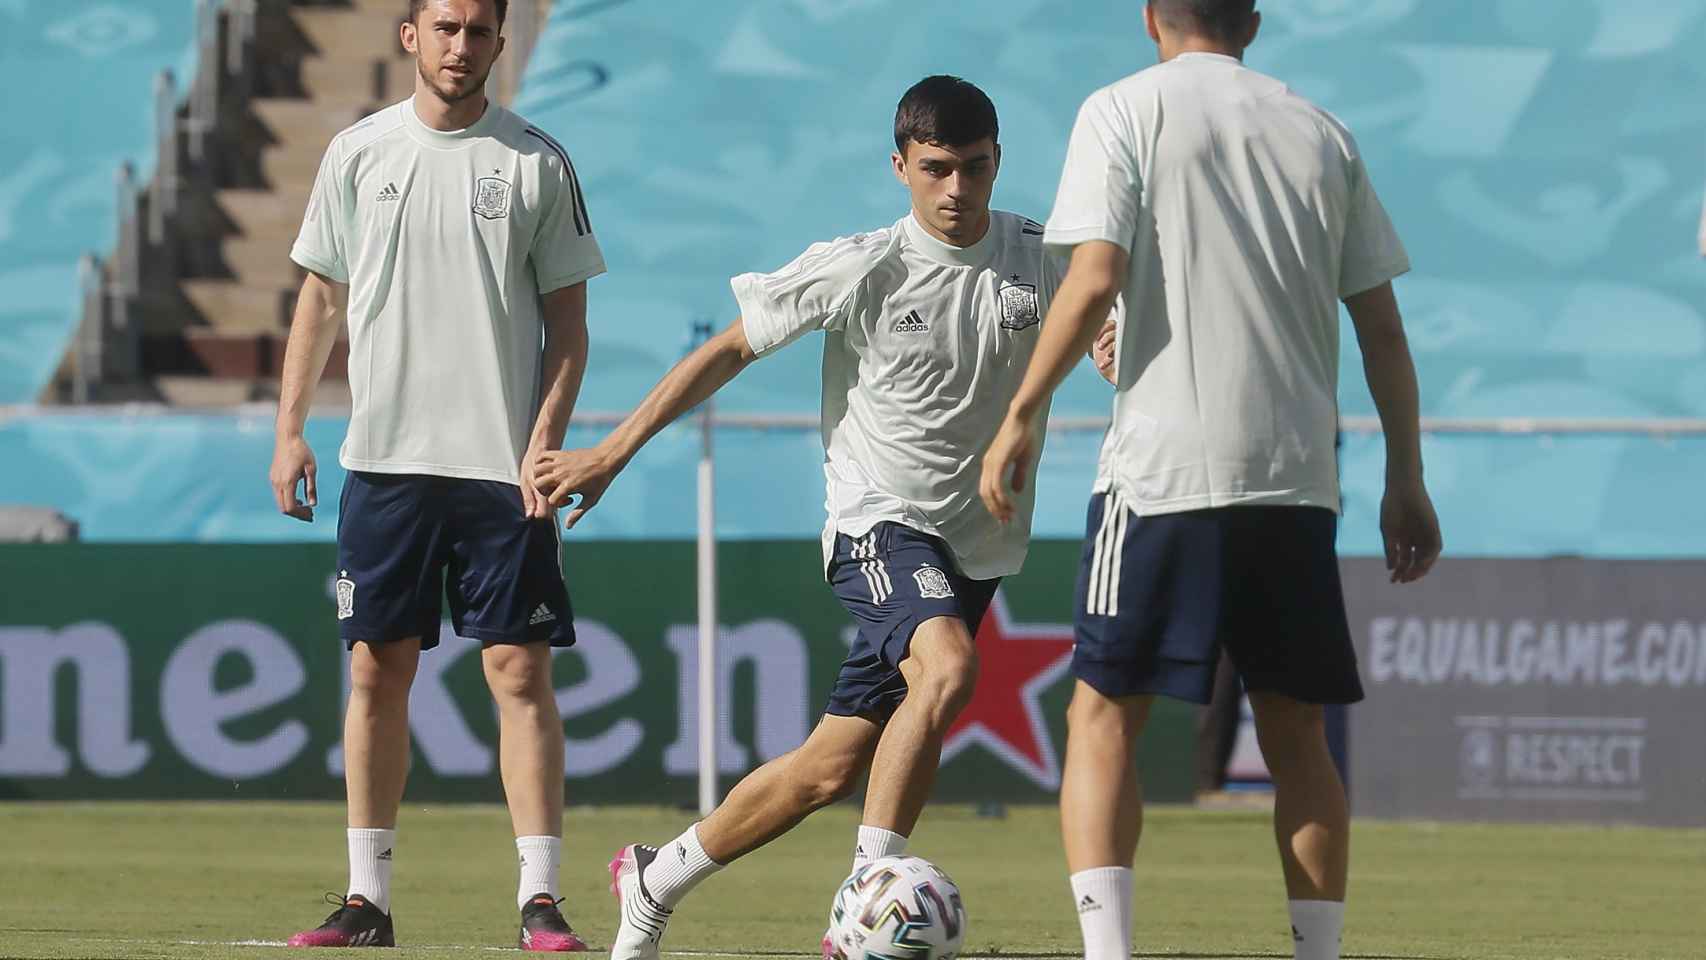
(814, 292)
(564, 251)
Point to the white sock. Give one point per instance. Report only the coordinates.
(1315, 928)
(874, 844)
(370, 865)
(539, 858)
(679, 867)
(1103, 899)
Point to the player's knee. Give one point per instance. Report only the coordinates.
(944, 681)
(515, 673)
(1287, 727)
(1093, 712)
(380, 676)
(832, 781)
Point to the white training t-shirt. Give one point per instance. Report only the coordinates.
(447, 241)
(1248, 216)
(926, 344)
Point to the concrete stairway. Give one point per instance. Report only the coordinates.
(225, 342)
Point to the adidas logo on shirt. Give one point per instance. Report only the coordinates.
(541, 615)
(390, 193)
(911, 323)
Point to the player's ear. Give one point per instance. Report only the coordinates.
(1254, 28)
(502, 42)
(1149, 23)
(406, 33)
(899, 161)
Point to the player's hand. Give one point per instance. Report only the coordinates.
(1102, 353)
(534, 504)
(1410, 529)
(293, 463)
(562, 474)
(1007, 466)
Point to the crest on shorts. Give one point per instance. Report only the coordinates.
(491, 197)
(346, 596)
(1019, 308)
(932, 583)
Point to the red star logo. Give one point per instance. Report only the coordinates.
(1017, 662)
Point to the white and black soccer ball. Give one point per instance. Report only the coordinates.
(896, 908)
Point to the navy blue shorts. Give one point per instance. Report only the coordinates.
(398, 537)
(1160, 596)
(893, 579)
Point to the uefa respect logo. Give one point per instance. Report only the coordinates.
(1570, 758)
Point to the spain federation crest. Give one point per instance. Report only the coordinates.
(346, 596)
(932, 583)
(1019, 307)
(491, 197)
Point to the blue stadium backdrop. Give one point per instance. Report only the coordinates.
(1544, 160)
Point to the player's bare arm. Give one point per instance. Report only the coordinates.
(1080, 310)
(564, 314)
(313, 330)
(586, 474)
(1408, 524)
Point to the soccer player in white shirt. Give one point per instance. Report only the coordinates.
(454, 238)
(928, 324)
(1233, 216)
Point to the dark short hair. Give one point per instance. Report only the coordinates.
(1217, 19)
(416, 6)
(944, 111)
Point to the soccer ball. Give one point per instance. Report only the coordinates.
(896, 908)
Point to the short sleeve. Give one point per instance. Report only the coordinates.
(1372, 253)
(1101, 189)
(814, 292)
(320, 243)
(565, 252)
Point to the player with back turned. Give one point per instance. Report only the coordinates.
(1233, 216)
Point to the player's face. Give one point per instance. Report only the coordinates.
(455, 43)
(951, 185)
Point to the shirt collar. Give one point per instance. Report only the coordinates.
(975, 255)
(1205, 56)
(448, 139)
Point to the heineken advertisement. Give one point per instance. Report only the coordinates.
(214, 671)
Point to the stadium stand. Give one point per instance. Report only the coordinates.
(192, 305)
(1543, 161)
(61, 156)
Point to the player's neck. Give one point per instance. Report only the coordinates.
(434, 112)
(967, 238)
(1174, 46)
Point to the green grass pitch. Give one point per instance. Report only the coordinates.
(193, 880)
